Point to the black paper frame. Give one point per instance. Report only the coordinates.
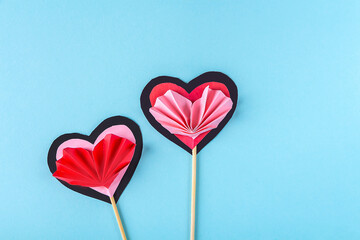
(203, 78)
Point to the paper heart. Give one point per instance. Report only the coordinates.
(99, 165)
(190, 114)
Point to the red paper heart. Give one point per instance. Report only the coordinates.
(194, 95)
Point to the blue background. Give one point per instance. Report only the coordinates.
(287, 165)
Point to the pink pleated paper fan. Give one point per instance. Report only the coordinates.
(182, 117)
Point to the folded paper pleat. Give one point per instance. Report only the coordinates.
(97, 168)
(182, 117)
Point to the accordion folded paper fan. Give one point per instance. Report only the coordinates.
(99, 165)
(190, 114)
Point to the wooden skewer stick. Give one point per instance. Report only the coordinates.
(193, 194)
(113, 203)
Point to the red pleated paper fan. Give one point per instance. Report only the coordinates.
(97, 168)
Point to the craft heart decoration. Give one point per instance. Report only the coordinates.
(190, 114)
(99, 165)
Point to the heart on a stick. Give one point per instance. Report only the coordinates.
(190, 114)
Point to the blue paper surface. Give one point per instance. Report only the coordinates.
(286, 166)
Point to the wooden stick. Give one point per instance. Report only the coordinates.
(193, 194)
(113, 203)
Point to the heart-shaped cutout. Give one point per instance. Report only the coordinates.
(99, 165)
(190, 114)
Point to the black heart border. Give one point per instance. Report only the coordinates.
(116, 120)
(203, 78)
